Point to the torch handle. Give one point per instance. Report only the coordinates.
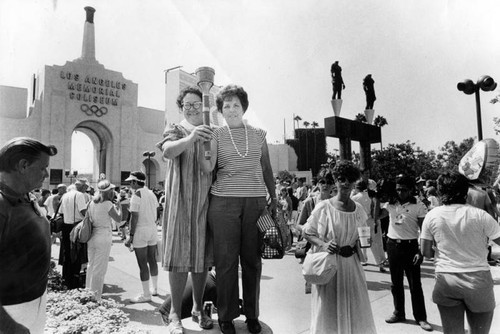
(206, 121)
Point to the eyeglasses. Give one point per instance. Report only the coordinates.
(325, 182)
(343, 179)
(189, 106)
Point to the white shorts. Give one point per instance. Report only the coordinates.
(145, 236)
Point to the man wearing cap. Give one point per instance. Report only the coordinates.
(24, 237)
(73, 208)
(143, 234)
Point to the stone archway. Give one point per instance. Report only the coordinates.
(151, 168)
(102, 140)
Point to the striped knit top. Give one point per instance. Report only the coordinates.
(239, 175)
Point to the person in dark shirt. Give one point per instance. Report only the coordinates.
(24, 237)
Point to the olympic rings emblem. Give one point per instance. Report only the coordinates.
(93, 110)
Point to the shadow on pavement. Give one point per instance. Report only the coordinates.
(112, 289)
(379, 286)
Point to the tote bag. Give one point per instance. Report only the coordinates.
(320, 267)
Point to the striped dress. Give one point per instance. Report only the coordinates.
(239, 176)
(184, 233)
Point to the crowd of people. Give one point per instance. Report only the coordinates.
(208, 212)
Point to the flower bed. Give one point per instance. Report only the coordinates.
(75, 311)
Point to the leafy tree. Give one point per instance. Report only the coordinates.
(285, 175)
(314, 124)
(402, 158)
(306, 124)
(451, 153)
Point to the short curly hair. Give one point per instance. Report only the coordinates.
(230, 91)
(188, 90)
(452, 188)
(347, 170)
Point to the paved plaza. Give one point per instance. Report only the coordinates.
(284, 307)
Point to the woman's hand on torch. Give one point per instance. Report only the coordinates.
(202, 133)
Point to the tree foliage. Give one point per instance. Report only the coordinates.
(407, 159)
(285, 175)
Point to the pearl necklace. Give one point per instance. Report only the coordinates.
(234, 144)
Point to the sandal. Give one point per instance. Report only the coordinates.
(175, 327)
(202, 319)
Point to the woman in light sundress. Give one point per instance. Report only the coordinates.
(342, 305)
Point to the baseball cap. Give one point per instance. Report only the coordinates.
(136, 176)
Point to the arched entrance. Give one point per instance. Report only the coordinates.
(102, 140)
(150, 167)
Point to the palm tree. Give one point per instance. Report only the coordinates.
(314, 126)
(297, 119)
(360, 118)
(306, 124)
(380, 121)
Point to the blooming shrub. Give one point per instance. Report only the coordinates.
(55, 282)
(75, 312)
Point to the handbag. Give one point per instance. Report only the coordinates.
(57, 222)
(272, 245)
(83, 230)
(319, 268)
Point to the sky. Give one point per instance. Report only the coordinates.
(281, 51)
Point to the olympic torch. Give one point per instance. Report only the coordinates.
(205, 77)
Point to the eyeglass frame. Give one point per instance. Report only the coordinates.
(191, 106)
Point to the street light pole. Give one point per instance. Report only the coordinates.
(487, 84)
(149, 155)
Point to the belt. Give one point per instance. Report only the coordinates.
(347, 251)
(403, 241)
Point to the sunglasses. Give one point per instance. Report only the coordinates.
(325, 182)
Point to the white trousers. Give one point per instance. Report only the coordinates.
(31, 315)
(377, 247)
(98, 249)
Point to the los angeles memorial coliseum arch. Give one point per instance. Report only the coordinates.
(83, 95)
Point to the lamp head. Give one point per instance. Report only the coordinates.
(486, 83)
(205, 77)
(467, 86)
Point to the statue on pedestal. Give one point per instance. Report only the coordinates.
(368, 83)
(337, 81)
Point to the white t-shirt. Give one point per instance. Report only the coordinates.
(49, 205)
(365, 201)
(71, 204)
(403, 220)
(461, 234)
(144, 202)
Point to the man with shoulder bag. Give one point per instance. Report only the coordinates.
(73, 208)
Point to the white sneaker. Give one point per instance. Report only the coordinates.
(175, 327)
(154, 292)
(140, 299)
